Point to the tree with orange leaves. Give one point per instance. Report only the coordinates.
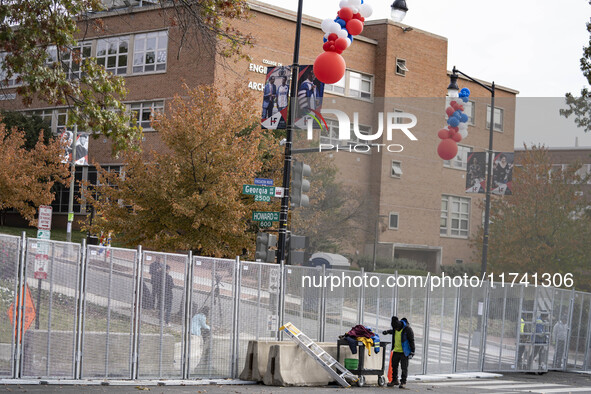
(27, 175)
(545, 226)
(190, 195)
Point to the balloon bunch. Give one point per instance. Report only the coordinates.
(329, 66)
(457, 127)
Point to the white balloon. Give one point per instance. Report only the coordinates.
(343, 3)
(326, 35)
(354, 9)
(343, 33)
(334, 28)
(326, 24)
(463, 133)
(355, 3)
(348, 42)
(463, 126)
(365, 10)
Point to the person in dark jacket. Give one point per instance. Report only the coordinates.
(403, 349)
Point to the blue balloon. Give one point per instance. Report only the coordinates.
(465, 99)
(464, 118)
(324, 39)
(453, 121)
(465, 92)
(457, 114)
(350, 37)
(341, 22)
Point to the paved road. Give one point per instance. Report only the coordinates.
(553, 382)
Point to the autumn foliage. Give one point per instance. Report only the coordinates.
(27, 175)
(545, 225)
(189, 196)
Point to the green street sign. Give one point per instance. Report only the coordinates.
(255, 190)
(262, 198)
(265, 224)
(265, 216)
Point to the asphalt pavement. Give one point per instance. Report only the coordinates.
(552, 382)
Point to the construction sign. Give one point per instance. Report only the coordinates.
(29, 312)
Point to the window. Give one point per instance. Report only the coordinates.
(459, 261)
(469, 110)
(353, 84)
(338, 87)
(141, 113)
(72, 59)
(331, 135)
(4, 79)
(584, 172)
(114, 4)
(112, 54)
(396, 169)
(455, 216)
(359, 85)
(461, 158)
(62, 194)
(393, 221)
(149, 52)
(401, 67)
(498, 119)
(578, 193)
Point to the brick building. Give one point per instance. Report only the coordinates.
(420, 207)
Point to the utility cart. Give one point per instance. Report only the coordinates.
(361, 372)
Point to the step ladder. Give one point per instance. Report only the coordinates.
(322, 357)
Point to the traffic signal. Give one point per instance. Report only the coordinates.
(297, 256)
(299, 185)
(264, 242)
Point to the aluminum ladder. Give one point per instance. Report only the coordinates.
(322, 357)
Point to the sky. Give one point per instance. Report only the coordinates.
(532, 46)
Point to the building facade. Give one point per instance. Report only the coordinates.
(420, 210)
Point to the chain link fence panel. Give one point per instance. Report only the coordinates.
(10, 248)
(109, 297)
(48, 345)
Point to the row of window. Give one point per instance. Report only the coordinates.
(140, 115)
(455, 217)
(147, 51)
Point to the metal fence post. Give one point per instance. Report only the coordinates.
(571, 310)
(281, 298)
(80, 312)
(454, 360)
(586, 358)
(426, 326)
(235, 317)
(135, 337)
(18, 307)
(361, 299)
(322, 302)
(188, 311)
(483, 325)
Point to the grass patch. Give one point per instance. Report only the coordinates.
(56, 235)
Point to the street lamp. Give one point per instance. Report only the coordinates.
(452, 90)
(399, 10)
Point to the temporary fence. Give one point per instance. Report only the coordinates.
(91, 312)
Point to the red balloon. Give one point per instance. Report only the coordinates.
(327, 45)
(457, 137)
(453, 129)
(329, 67)
(450, 111)
(354, 27)
(345, 14)
(453, 104)
(362, 19)
(447, 149)
(341, 44)
(357, 16)
(443, 134)
(332, 37)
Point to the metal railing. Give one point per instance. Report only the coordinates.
(115, 313)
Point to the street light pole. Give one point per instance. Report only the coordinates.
(453, 86)
(288, 141)
(72, 185)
